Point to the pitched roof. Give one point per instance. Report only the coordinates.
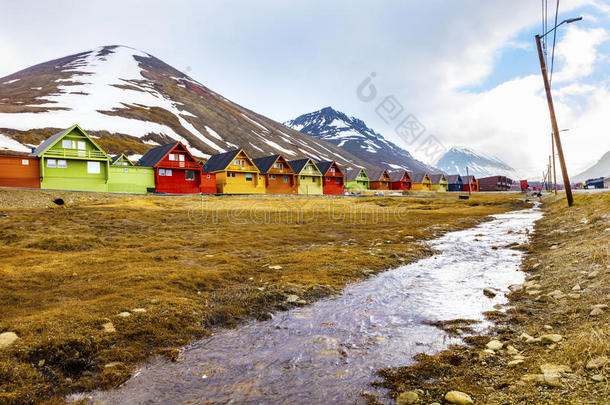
(323, 166)
(113, 159)
(352, 174)
(453, 178)
(375, 175)
(264, 163)
(436, 178)
(219, 162)
(154, 155)
(47, 143)
(397, 175)
(299, 165)
(418, 177)
(468, 179)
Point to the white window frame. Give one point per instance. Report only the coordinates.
(94, 167)
(25, 162)
(181, 158)
(62, 164)
(51, 163)
(172, 156)
(66, 144)
(272, 176)
(286, 178)
(82, 145)
(186, 172)
(168, 172)
(161, 172)
(251, 177)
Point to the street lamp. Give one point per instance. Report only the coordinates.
(549, 98)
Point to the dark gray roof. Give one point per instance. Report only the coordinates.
(264, 163)
(323, 166)
(298, 165)
(114, 159)
(375, 175)
(398, 174)
(418, 177)
(436, 178)
(352, 174)
(154, 155)
(454, 178)
(468, 179)
(49, 141)
(220, 162)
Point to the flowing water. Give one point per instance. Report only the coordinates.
(328, 352)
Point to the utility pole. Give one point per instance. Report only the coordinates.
(549, 98)
(468, 179)
(554, 171)
(550, 179)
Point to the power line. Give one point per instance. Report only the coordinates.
(554, 39)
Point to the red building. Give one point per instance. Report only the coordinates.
(208, 183)
(19, 171)
(176, 170)
(470, 183)
(332, 177)
(400, 180)
(379, 179)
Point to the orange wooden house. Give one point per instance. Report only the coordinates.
(379, 180)
(470, 183)
(278, 175)
(400, 180)
(19, 171)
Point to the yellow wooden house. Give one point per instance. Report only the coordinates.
(421, 182)
(235, 173)
(438, 182)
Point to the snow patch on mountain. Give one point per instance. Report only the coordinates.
(456, 159)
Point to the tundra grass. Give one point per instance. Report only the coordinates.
(177, 267)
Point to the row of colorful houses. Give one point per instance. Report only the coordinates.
(71, 160)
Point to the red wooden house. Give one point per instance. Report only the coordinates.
(400, 180)
(332, 177)
(176, 170)
(19, 171)
(470, 183)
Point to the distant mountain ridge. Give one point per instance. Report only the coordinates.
(354, 136)
(456, 159)
(599, 169)
(131, 101)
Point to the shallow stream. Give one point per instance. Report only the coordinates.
(328, 352)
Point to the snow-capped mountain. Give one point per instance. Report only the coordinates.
(132, 101)
(456, 159)
(599, 169)
(354, 136)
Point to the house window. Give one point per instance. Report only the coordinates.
(161, 172)
(328, 179)
(126, 170)
(82, 145)
(25, 162)
(181, 158)
(248, 176)
(66, 144)
(302, 177)
(230, 174)
(62, 164)
(272, 176)
(286, 178)
(332, 170)
(209, 176)
(337, 180)
(278, 165)
(172, 156)
(51, 163)
(236, 162)
(189, 174)
(313, 179)
(93, 167)
(168, 172)
(309, 168)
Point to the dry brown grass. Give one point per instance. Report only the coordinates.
(568, 245)
(192, 263)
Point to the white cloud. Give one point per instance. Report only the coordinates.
(578, 52)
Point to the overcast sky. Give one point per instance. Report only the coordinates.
(467, 70)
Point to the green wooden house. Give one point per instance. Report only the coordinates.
(125, 177)
(71, 160)
(356, 180)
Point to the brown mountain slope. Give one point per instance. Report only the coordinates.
(132, 101)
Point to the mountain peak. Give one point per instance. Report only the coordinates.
(353, 135)
(479, 164)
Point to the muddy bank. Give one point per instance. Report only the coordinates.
(552, 344)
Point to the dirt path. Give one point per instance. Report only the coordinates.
(553, 344)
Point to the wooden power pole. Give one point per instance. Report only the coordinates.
(554, 171)
(549, 98)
